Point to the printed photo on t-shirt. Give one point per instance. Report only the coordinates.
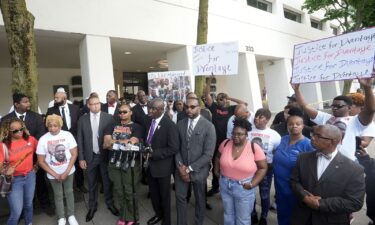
(262, 140)
(57, 152)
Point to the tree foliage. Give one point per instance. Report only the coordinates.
(19, 27)
(352, 15)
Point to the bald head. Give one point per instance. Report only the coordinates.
(331, 131)
(325, 138)
(241, 111)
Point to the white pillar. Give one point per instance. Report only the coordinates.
(244, 85)
(277, 76)
(278, 8)
(313, 94)
(305, 18)
(181, 59)
(96, 66)
(330, 89)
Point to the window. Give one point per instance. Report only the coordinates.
(334, 30)
(291, 15)
(133, 82)
(261, 4)
(316, 24)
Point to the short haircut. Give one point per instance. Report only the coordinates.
(17, 97)
(263, 112)
(54, 118)
(243, 123)
(112, 91)
(222, 95)
(344, 98)
(92, 97)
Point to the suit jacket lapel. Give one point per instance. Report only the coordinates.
(332, 167)
(313, 162)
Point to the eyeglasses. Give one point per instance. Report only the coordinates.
(220, 99)
(17, 131)
(320, 137)
(338, 106)
(191, 106)
(238, 134)
(123, 112)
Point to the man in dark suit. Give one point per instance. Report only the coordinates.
(34, 123)
(140, 111)
(163, 139)
(328, 185)
(112, 105)
(70, 114)
(90, 137)
(198, 139)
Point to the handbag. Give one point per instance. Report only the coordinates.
(5, 180)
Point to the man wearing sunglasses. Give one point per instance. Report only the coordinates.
(359, 125)
(221, 113)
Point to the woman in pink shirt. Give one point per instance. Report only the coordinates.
(241, 169)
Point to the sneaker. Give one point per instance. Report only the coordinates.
(263, 221)
(61, 221)
(72, 220)
(351, 218)
(121, 222)
(254, 219)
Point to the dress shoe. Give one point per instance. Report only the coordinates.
(83, 189)
(154, 220)
(263, 221)
(254, 219)
(212, 192)
(90, 215)
(113, 210)
(208, 206)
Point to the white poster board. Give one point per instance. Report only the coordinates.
(217, 59)
(170, 85)
(342, 57)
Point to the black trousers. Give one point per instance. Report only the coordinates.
(160, 192)
(97, 167)
(41, 189)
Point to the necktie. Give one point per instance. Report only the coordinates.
(151, 133)
(190, 130)
(95, 134)
(21, 117)
(329, 156)
(111, 105)
(63, 116)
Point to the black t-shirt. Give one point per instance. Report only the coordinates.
(220, 117)
(124, 132)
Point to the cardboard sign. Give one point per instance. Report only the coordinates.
(342, 57)
(170, 85)
(217, 59)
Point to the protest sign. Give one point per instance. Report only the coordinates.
(170, 85)
(342, 57)
(217, 59)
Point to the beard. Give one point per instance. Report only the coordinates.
(57, 104)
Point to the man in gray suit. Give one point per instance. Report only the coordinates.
(198, 138)
(328, 185)
(90, 136)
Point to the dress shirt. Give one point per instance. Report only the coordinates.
(18, 115)
(157, 121)
(194, 121)
(111, 110)
(96, 148)
(144, 108)
(323, 163)
(67, 115)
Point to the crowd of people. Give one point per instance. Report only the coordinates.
(317, 160)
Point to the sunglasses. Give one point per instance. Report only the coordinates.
(191, 106)
(338, 106)
(123, 112)
(17, 131)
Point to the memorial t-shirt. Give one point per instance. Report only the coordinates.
(57, 148)
(267, 139)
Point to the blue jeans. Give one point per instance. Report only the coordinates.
(238, 202)
(264, 192)
(21, 198)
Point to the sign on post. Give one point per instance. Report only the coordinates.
(342, 57)
(170, 85)
(217, 59)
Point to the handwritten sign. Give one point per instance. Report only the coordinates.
(170, 85)
(342, 57)
(219, 59)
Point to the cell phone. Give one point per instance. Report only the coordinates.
(358, 141)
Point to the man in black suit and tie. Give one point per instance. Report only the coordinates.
(90, 137)
(112, 105)
(163, 139)
(328, 185)
(34, 123)
(140, 111)
(198, 140)
(70, 114)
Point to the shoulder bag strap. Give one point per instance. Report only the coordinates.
(253, 148)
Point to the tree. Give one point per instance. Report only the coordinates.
(352, 15)
(202, 31)
(19, 27)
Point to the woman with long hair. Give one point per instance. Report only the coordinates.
(20, 147)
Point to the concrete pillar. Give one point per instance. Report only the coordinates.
(181, 59)
(277, 76)
(278, 8)
(305, 18)
(244, 85)
(330, 90)
(119, 82)
(313, 94)
(96, 65)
